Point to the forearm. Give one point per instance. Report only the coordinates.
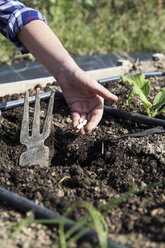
(83, 94)
(39, 39)
(14, 15)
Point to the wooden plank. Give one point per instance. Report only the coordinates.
(21, 86)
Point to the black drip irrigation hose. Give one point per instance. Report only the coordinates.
(44, 96)
(24, 205)
(147, 74)
(134, 117)
(20, 102)
(112, 111)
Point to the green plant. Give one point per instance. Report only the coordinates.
(93, 219)
(64, 178)
(141, 87)
(100, 26)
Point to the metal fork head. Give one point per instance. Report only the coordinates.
(37, 152)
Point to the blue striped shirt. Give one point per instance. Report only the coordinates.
(14, 15)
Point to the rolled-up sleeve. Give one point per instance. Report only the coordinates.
(14, 15)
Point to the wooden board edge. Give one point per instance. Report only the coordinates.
(19, 87)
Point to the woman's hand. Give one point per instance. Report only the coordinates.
(85, 97)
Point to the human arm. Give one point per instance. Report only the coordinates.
(83, 94)
(14, 15)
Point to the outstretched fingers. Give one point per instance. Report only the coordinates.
(94, 117)
(79, 121)
(100, 90)
(75, 118)
(85, 123)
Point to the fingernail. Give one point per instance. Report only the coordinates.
(116, 98)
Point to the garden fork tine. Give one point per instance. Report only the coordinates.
(36, 120)
(37, 152)
(47, 124)
(24, 136)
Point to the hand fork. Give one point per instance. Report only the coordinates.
(37, 153)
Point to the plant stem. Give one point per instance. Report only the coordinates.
(149, 113)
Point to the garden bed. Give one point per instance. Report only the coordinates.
(99, 166)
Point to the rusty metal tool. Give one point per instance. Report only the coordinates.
(36, 153)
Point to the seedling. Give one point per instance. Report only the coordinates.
(93, 219)
(64, 178)
(141, 87)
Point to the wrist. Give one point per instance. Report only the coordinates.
(66, 74)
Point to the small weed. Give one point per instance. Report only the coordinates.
(94, 219)
(63, 179)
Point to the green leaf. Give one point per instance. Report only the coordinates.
(159, 100)
(141, 87)
(94, 216)
(89, 2)
(162, 110)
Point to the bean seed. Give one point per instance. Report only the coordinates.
(81, 120)
(84, 122)
(80, 126)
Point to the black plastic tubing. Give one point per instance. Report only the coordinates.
(112, 111)
(24, 205)
(46, 95)
(143, 119)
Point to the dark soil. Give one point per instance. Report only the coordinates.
(99, 166)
